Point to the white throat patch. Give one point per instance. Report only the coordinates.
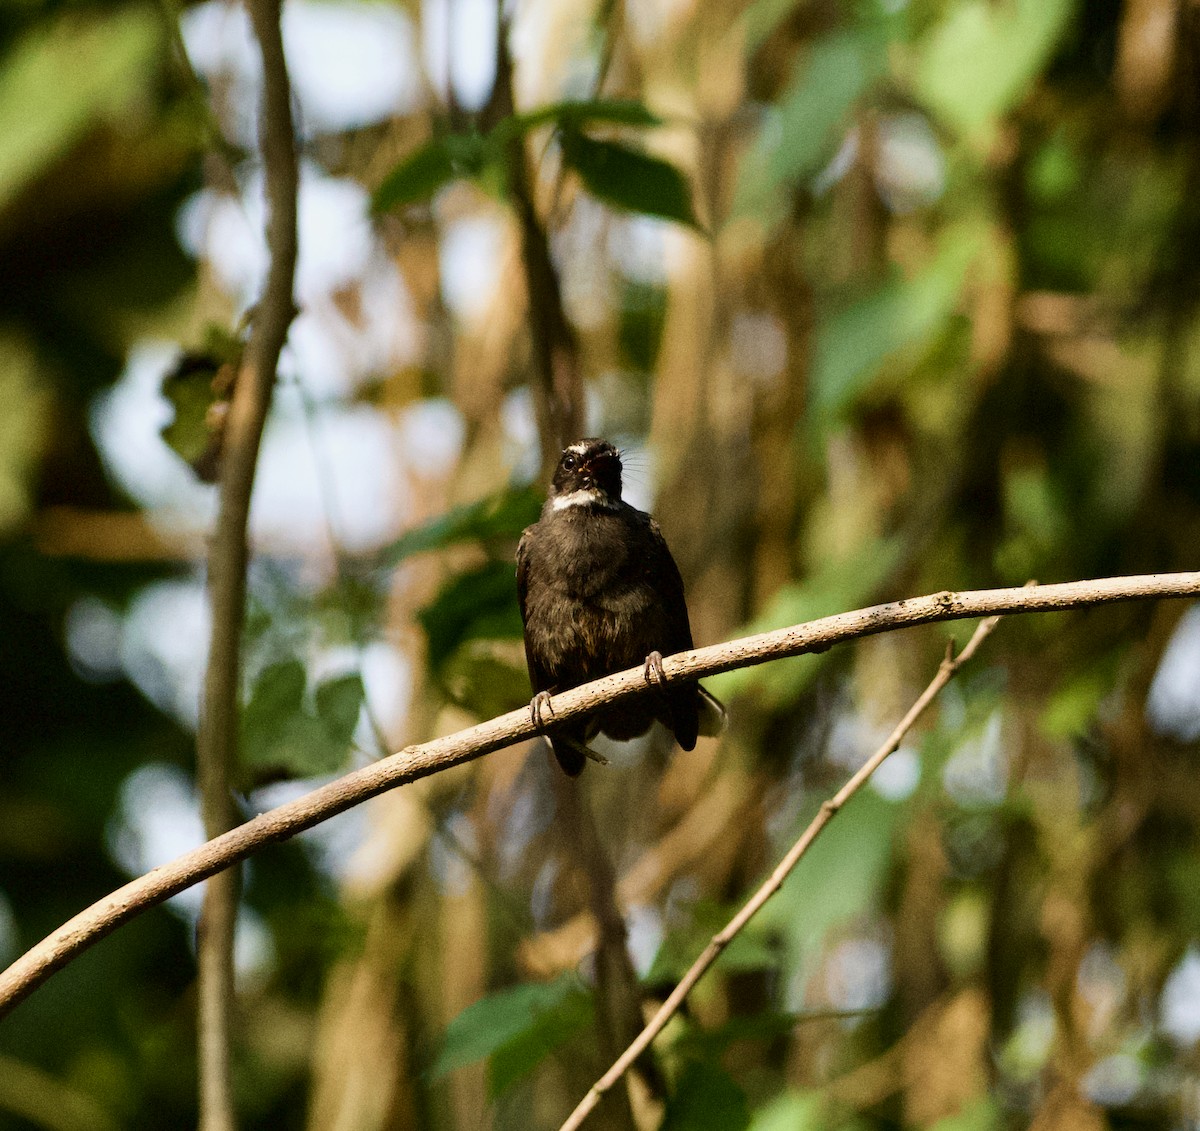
(589, 497)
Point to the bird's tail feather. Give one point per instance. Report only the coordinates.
(712, 714)
(573, 754)
(571, 758)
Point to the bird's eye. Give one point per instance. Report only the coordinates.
(569, 462)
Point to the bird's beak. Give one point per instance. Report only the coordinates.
(600, 464)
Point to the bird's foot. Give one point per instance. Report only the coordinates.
(653, 671)
(539, 703)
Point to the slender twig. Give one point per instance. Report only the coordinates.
(557, 389)
(415, 762)
(829, 809)
(216, 742)
(617, 993)
(557, 386)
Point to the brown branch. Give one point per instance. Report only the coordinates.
(618, 994)
(414, 762)
(557, 392)
(557, 387)
(829, 809)
(216, 742)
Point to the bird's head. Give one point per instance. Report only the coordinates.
(588, 474)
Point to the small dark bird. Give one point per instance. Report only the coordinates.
(600, 593)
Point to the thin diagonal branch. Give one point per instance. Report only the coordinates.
(415, 762)
(216, 742)
(829, 809)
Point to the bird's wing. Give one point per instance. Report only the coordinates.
(538, 676)
(684, 700)
(664, 575)
(523, 548)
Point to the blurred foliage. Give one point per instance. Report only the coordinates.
(515, 1029)
(62, 78)
(628, 178)
(498, 518)
(877, 298)
(615, 173)
(283, 735)
(199, 388)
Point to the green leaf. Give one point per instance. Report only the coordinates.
(852, 346)
(298, 747)
(518, 1027)
(630, 179)
(339, 701)
(480, 604)
(549, 1031)
(419, 176)
(706, 1097)
(199, 380)
(575, 114)
(836, 73)
(281, 738)
(224, 345)
(63, 77)
(278, 694)
(614, 111)
(188, 388)
(503, 515)
(982, 58)
(798, 138)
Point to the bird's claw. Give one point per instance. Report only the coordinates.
(653, 671)
(539, 703)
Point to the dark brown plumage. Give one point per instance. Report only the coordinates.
(600, 593)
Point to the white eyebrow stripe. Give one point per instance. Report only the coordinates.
(579, 448)
(589, 497)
